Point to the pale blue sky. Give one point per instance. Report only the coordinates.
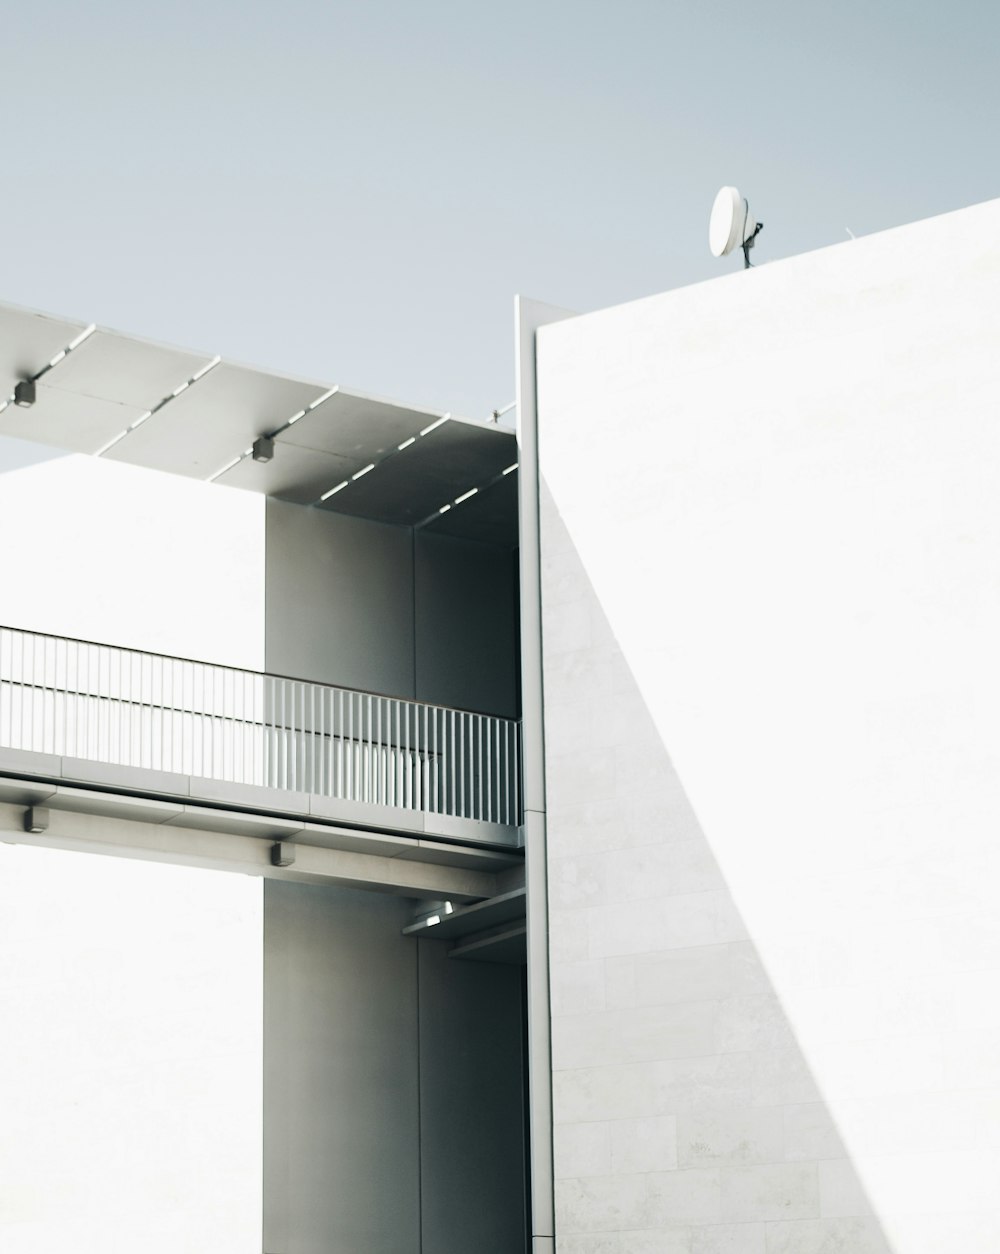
(355, 192)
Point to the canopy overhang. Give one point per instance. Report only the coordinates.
(126, 399)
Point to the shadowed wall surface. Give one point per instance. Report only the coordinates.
(393, 1105)
(387, 609)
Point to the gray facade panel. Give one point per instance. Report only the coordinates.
(466, 630)
(364, 605)
(471, 1105)
(341, 1110)
(339, 600)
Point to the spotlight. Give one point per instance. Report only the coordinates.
(263, 449)
(24, 393)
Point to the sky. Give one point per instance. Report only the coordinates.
(355, 192)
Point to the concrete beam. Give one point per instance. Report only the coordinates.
(160, 841)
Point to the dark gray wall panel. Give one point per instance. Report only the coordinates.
(471, 1106)
(385, 609)
(466, 624)
(339, 600)
(341, 1111)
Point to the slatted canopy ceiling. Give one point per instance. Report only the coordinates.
(116, 396)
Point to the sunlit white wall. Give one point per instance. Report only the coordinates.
(130, 993)
(122, 555)
(783, 490)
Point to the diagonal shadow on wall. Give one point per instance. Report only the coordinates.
(688, 1119)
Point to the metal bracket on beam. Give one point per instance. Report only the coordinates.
(282, 853)
(36, 819)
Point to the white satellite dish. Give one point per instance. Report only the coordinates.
(732, 224)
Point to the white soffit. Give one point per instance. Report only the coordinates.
(99, 391)
(453, 458)
(28, 342)
(299, 475)
(490, 515)
(120, 368)
(360, 428)
(214, 420)
(327, 444)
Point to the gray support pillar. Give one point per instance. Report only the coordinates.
(529, 315)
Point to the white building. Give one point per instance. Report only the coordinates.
(758, 682)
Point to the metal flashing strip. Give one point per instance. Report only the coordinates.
(529, 316)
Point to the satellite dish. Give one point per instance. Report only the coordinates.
(732, 224)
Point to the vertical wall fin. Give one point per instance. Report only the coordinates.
(529, 316)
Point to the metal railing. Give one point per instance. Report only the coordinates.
(102, 703)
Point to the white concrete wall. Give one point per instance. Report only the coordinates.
(130, 993)
(130, 1056)
(121, 555)
(771, 522)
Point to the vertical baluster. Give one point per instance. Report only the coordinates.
(145, 704)
(432, 761)
(24, 692)
(368, 748)
(478, 768)
(407, 790)
(176, 757)
(218, 767)
(126, 742)
(99, 655)
(281, 739)
(503, 779)
(269, 713)
(489, 770)
(352, 787)
(218, 722)
(517, 772)
(41, 675)
(339, 729)
(161, 687)
(93, 705)
(397, 757)
(359, 735)
(377, 760)
(425, 763)
(25, 688)
(313, 732)
(72, 708)
(451, 750)
(464, 739)
(294, 734)
(43, 682)
(5, 706)
(33, 717)
(169, 703)
(331, 743)
(231, 722)
(213, 722)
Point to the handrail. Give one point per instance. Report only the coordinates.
(245, 670)
(101, 702)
